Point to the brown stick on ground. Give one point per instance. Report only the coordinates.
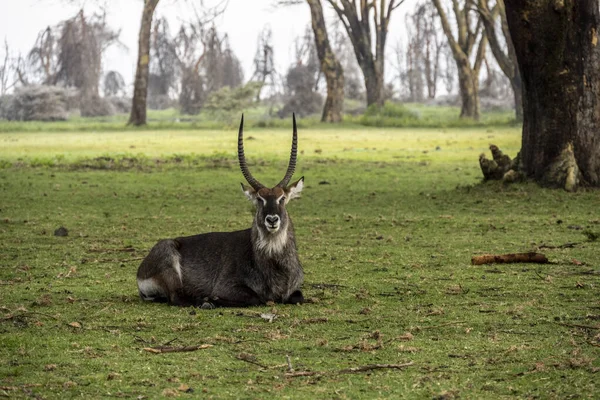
(509, 258)
(170, 349)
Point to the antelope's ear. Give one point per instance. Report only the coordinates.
(249, 192)
(295, 189)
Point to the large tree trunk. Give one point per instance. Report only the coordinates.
(556, 43)
(331, 67)
(140, 89)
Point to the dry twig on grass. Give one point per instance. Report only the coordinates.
(170, 349)
(353, 370)
(372, 367)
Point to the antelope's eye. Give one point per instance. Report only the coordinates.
(282, 200)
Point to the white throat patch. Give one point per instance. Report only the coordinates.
(272, 244)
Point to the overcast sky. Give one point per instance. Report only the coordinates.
(22, 20)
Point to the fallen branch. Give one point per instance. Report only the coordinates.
(170, 349)
(372, 367)
(354, 370)
(249, 358)
(509, 258)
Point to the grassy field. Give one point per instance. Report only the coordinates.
(386, 229)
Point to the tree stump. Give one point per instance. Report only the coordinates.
(500, 167)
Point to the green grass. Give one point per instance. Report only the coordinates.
(364, 144)
(386, 229)
(392, 115)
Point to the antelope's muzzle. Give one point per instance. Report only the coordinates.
(272, 222)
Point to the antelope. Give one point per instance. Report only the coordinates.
(233, 269)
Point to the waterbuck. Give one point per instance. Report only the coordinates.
(233, 269)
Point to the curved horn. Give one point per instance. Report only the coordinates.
(256, 185)
(292, 164)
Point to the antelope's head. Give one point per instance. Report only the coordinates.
(271, 215)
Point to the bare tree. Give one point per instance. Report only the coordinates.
(7, 80)
(448, 71)
(164, 63)
(469, 32)
(354, 84)
(189, 47)
(264, 64)
(414, 58)
(426, 17)
(302, 79)
(207, 64)
(503, 49)
(82, 42)
(397, 63)
(70, 54)
(42, 59)
(220, 65)
(114, 84)
(140, 91)
(361, 21)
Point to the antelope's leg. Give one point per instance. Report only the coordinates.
(240, 296)
(295, 298)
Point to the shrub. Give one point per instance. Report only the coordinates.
(96, 106)
(7, 102)
(233, 100)
(38, 103)
(122, 105)
(390, 115)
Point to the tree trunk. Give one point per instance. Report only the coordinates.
(357, 20)
(373, 84)
(140, 89)
(517, 87)
(469, 91)
(330, 66)
(462, 47)
(556, 42)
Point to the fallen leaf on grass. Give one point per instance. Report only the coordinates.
(185, 388)
(406, 337)
(170, 393)
(407, 349)
(269, 317)
(112, 376)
